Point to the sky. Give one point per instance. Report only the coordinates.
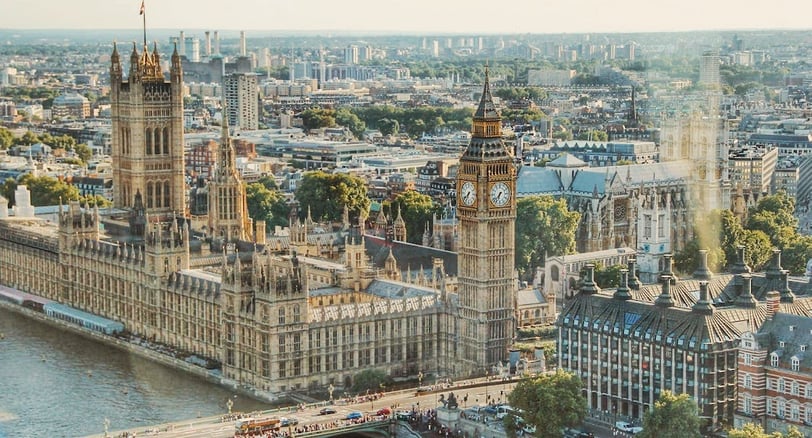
(412, 16)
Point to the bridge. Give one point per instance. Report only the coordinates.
(312, 423)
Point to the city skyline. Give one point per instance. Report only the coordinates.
(366, 16)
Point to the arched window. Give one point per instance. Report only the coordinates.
(166, 194)
(149, 195)
(166, 141)
(157, 143)
(773, 360)
(148, 141)
(158, 189)
(554, 272)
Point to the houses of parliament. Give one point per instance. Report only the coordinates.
(280, 313)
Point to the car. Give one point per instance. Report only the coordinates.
(327, 411)
(383, 411)
(285, 421)
(628, 427)
(354, 415)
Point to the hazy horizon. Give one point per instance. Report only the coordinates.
(415, 17)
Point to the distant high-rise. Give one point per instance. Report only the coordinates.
(243, 49)
(242, 100)
(351, 55)
(709, 70)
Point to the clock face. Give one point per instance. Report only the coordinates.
(500, 194)
(468, 193)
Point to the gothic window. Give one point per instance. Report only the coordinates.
(282, 316)
(661, 226)
(158, 197)
(554, 273)
(795, 364)
(282, 344)
(296, 315)
(166, 141)
(620, 212)
(148, 141)
(157, 140)
(149, 195)
(647, 226)
(166, 193)
(773, 360)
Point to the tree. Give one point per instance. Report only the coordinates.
(84, 152)
(388, 126)
(45, 190)
(753, 430)
(795, 255)
(417, 210)
(774, 216)
(346, 118)
(757, 248)
(593, 135)
(673, 416)
(550, 402)
(607, 277)
(95, 201)
(28, 138)
(370, 380)
(544, 227)
(266, 205)
(315, 118)
(326, 194)
(6, 138)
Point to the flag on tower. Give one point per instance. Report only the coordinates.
(142, 8)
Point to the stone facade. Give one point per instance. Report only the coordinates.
(301, 311)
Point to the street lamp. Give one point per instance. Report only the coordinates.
(420, 379)
(487, 397)
(106, 427)
(330, 389)
(229, 405)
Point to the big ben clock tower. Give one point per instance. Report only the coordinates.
(486, 208)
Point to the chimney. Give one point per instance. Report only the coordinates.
(634, 282)
(208, 44)
(702, 272)
(588, 286)
(665, 299)
(786, 293)
(774, 270)
(182, 45)
(668, 269)
(216, 42)
(622, 291)
(773, 303)
(242, 43)
(746, 298)
(703, 306)
(740, 267)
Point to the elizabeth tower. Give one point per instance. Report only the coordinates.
(486, 200)
(147, 146)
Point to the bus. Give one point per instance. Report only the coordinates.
(249, 426)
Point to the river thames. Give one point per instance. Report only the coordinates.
(58, 384)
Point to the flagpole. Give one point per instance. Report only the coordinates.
(144, 16)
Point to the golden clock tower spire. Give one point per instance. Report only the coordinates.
(486, 201)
